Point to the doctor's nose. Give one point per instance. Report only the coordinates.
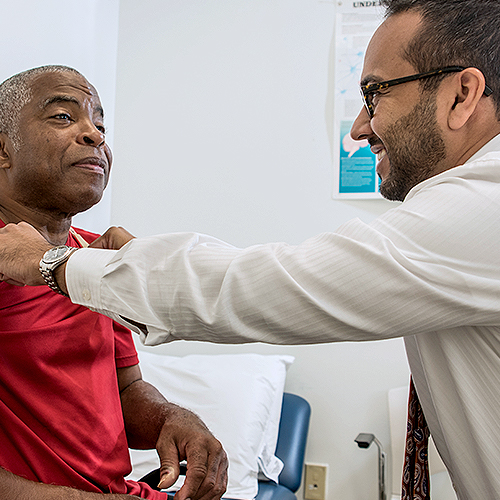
(361, 128)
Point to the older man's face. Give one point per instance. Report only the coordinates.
(63, 162)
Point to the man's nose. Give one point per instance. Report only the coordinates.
(361, 128)
(91, 135)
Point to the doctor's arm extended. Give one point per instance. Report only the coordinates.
(362, 282)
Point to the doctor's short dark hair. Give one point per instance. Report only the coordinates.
(454, 33)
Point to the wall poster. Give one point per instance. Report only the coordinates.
(354, 163)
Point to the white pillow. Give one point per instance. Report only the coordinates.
(238, 396)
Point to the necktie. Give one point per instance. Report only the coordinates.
(416, 467)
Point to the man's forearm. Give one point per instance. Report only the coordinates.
(12, 486)
(145, 411)
(177, 434)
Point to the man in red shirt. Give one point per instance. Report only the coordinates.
(72, 399)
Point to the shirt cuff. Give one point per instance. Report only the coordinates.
(84, 272)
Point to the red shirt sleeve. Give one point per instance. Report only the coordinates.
(125, 352)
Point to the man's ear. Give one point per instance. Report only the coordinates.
(468, 89)
(4, 151)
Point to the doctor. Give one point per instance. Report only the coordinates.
(428, 270)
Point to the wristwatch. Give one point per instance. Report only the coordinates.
(51, 260)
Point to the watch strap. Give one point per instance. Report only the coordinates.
(47, 270)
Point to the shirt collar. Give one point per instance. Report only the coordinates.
(493, 145)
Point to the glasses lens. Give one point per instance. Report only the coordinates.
(368, 102)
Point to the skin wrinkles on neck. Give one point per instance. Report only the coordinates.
(54, 229)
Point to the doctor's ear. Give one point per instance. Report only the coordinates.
(469, 86)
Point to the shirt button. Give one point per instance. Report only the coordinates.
(86, 294)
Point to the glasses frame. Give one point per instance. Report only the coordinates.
(367, 90)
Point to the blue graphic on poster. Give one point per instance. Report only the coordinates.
(357, 164)
(354, 164)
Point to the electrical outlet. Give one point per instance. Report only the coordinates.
(315, 482)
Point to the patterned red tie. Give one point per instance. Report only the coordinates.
(416, 466)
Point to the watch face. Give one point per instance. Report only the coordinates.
(55, 253)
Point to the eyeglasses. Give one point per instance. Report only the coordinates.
(369, 91)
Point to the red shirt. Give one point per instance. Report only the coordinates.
(61, 420)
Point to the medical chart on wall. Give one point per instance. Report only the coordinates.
(354, 164)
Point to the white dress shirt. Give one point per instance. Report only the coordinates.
(428, 270)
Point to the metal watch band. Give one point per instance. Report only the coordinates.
(47, 269)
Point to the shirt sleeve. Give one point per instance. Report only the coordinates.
(409, 272)
(125, 351)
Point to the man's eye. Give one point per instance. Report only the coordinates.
(374, 97)
(62, 116)
(101, 129)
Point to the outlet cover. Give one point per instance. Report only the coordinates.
(315, 482)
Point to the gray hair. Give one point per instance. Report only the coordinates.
(15, 93)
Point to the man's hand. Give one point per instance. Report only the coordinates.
(187, 437)
(113, 239)
(21, 248)
(177, 434)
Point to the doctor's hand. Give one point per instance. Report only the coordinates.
(113, 239)
(21, 248)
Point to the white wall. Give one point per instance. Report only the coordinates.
(223, 123)
(79, 33)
